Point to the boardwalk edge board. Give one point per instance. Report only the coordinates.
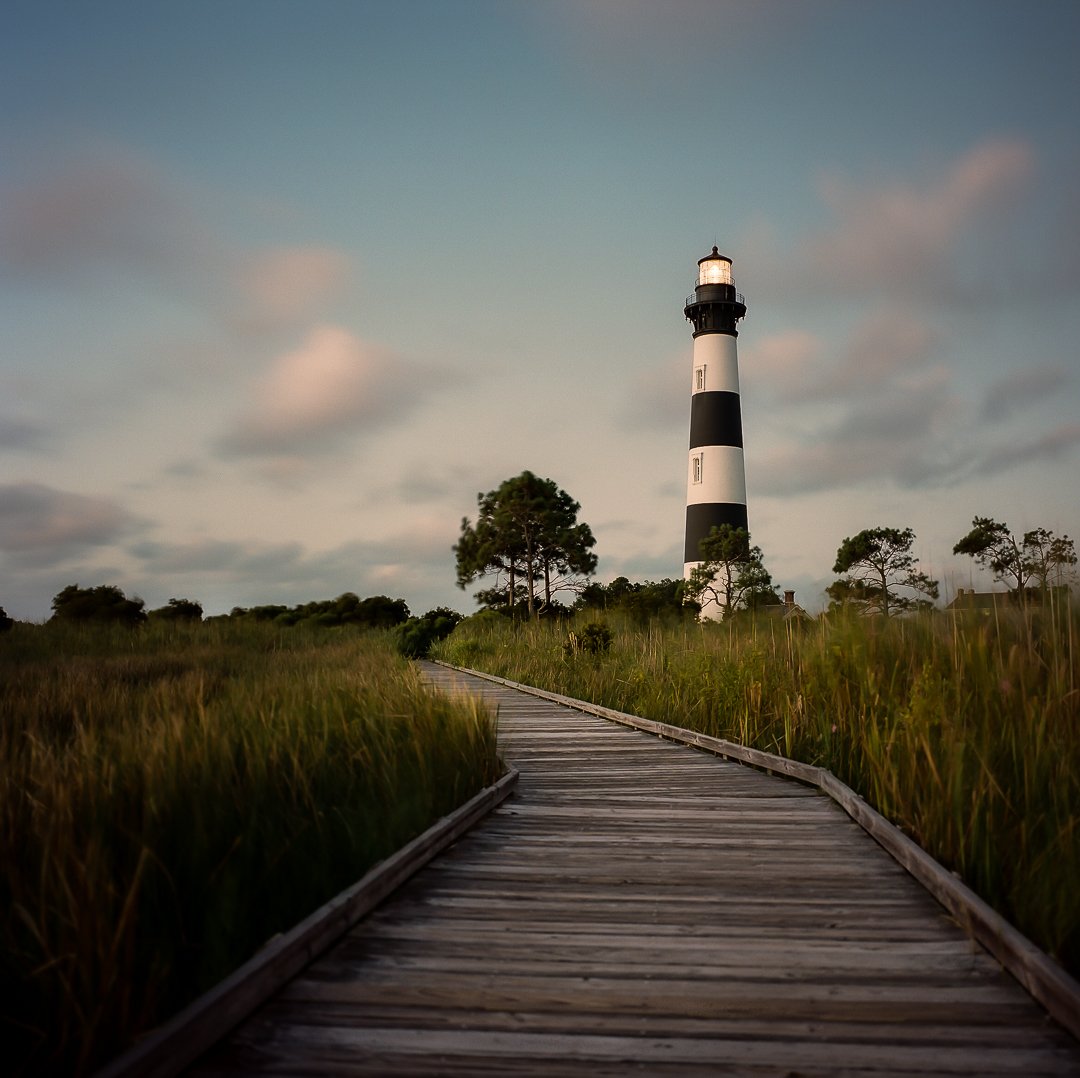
(1040, 975)
(170, 1048)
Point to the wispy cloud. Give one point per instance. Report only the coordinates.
(287, 285)
(886, 346)
(1023, 388)
(333, 386)
(796, 365)
(110, 213)
(913, 431)
(894, 416)
(904, 239)
(250, 572)
(636, 41)
(787, 365)
(217, 556)
(104, 208)
(902, 236)
(16, 433)
(1054, 443)
(39, 524)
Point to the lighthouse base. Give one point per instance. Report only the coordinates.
(712, 608)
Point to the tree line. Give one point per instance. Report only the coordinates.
(878, 570)
(528, 541)
(108, 605)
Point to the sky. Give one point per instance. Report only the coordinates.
(284, 286)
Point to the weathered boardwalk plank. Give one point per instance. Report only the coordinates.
(639, 907)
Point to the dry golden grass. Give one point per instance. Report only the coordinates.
(965, 733)
(172, 797)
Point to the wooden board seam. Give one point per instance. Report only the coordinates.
(167, 1050)
(1039, 974)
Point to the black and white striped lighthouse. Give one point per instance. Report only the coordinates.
(716, 478)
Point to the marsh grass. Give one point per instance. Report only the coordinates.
(172, 797)
(966, 733)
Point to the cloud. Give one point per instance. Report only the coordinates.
(1053, 444)
(917, 436)
(218, 556)
(792, 366)
(904, 435)
(39, 524)
(103, 208)
(886, 345)
(424, 481)
(20, 433)
(637, 41)
(185, 468)
(904, 239)
(333, 386)
(1016, 391)
(286, 285)
(903, 235)
(108, 211)
(667, 563)
(913, 432)
(416, 564)
(787, 363)
(641, 22)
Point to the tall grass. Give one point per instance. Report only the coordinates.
(171, 798)
(966, 733)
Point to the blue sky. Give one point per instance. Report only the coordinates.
(285, 285)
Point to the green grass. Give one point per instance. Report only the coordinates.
(172, 797)
(964, 733)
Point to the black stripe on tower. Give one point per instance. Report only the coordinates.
(715, 419)
(703, 517)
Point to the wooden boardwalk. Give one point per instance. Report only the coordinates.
(639, 907)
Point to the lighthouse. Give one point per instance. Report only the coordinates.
(716, 478)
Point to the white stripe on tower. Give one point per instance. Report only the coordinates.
(716, 480)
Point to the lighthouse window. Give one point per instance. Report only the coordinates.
(699, 379)
(715, 271)
(697, 468)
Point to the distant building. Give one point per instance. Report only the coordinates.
(990, 601)
(788, 610)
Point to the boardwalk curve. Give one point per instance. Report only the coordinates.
(639, 907)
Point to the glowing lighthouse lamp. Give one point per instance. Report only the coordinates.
(716, 478)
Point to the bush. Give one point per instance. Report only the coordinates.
(663, 600)
(179, 610)
(416, 636)
(100, 604)
(592, 639)
(376, 612)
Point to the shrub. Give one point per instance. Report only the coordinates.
(179, 610)
(101, 604)
(592, 639)
(416, 636)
